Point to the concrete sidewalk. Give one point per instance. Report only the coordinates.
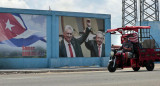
(64, 69)
(45, 70)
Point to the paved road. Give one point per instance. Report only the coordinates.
(124, 77)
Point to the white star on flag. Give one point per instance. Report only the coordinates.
(9, 25)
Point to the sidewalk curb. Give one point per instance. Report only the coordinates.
(21, 71)
(56, 70)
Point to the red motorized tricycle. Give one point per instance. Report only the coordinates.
(145, 50)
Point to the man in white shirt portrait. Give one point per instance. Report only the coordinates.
(69, 46)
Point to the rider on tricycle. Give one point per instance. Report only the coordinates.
(131, 53)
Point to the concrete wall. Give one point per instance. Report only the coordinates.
(52, 60)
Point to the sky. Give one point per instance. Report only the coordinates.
(113, 7)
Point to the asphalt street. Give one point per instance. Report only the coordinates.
(124, 77)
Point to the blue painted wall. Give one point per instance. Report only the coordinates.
(155, 29)
(53, 60)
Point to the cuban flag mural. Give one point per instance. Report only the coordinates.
(22, 35)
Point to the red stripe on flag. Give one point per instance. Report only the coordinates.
(13, 31)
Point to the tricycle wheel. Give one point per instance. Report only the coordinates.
(110, 67)
(136, 68)
(150, 65)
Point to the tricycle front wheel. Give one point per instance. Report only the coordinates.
(111, 67)
(136, 68)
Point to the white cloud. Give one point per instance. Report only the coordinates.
(14, 4)
(75, 5)
(115, 39)
(112, 7)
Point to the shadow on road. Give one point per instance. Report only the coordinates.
(131, 71)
